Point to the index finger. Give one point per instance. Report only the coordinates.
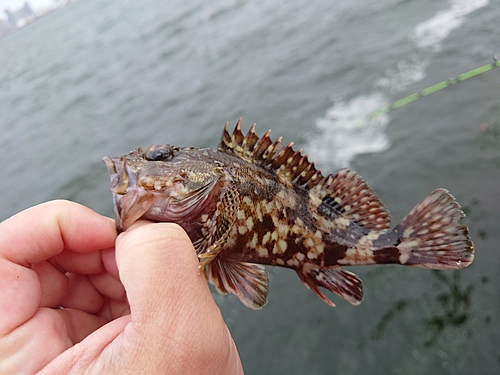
(44, 231)
(40, 233)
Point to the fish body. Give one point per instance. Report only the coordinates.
(252, 202)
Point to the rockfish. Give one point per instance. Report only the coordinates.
(253, 202)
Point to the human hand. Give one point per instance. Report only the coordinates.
(62, 254)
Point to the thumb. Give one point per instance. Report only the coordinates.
(175, 324)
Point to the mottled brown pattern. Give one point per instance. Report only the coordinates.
(254, 202)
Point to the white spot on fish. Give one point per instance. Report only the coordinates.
(373, 235)
(262, 251)
(320, 247)
(258, 212)
(311, 254)
(355, 256)
(283, 229)
(266, 238)
(314, 199)
(293, 262)
(275, 249)
(309, 242)
(255, 240)
(342, 222)
(247, 201)
(282, 245)
(249, 223)
(241, 215)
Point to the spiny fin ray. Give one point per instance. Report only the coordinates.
(349, 195)
(337, 280)
(271, 155)
(209, 245)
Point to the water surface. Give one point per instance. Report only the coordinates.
(103, 77)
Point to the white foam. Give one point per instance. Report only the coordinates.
(408, 71)
(427, 36)
(431, 33)
(345, 131)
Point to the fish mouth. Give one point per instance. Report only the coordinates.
(117, 168)
(137, 196)
(129, 200)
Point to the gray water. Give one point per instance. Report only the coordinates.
(103, 77)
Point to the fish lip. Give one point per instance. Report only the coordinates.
(109, 164)
(119, 184)
(130, 201)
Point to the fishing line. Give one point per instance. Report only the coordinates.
(436, 87)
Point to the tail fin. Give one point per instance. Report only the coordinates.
(432, 236)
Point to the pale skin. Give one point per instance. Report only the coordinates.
(136, 303)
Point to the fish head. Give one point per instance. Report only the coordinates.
(161, 183)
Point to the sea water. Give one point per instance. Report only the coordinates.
(102, 77)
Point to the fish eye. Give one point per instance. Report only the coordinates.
(159, 152)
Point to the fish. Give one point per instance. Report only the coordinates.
(253, 202)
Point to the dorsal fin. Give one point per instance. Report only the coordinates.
(346, 192)
(271, 155)
(349, 195)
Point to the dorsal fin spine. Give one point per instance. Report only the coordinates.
(297, 157)
(250, 140)
(284, 157)
(271, 155)
(299, 168)
(237, 136)
(306, 174)
(314, 180)
(261, 146)
(226, 141)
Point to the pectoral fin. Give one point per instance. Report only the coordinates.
(249, 282)
(218, 227)
(341, 282)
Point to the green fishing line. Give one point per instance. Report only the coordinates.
(434, 88)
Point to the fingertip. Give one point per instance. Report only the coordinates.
(155, 237)
(168, 229)
(45, 230)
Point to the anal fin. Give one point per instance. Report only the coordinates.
(337, 280)
(249, 282)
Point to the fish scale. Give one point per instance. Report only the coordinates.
(253, 202)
